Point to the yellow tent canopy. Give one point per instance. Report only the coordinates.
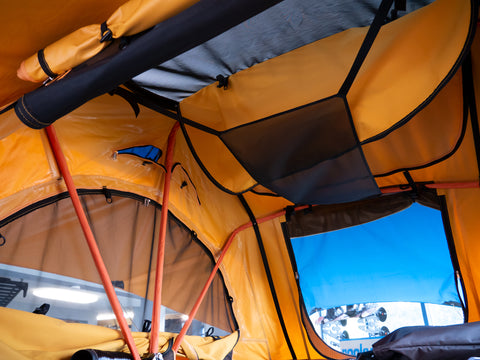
(282, 106)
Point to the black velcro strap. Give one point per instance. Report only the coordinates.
(129, 97)
(377, 23)
(43, 64)
(105, 33)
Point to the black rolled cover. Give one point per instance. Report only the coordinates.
(119, 63)
(455, 342)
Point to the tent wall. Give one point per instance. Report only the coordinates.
(463, 204)
(89, 138)
(463, 208)
(288, 295)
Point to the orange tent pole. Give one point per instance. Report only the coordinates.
(87, 231)
(157, 300)
(225, 248)
(445, 185)
(196, 306)
(454, 185)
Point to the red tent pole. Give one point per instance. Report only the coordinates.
(87, 231)
(157, 300)
(225, 248)
(454, 185)
(195, 307)
(444, 185)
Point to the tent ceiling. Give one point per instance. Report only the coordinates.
(284, 27)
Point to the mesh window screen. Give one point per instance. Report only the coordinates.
(50, 239)
(308, 155)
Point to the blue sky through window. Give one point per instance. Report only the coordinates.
(402, 257)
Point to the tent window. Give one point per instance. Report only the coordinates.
(361, 282)
(45, 249)
(78, 301)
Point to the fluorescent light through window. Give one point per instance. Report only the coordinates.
(68, 295)
(111, 316)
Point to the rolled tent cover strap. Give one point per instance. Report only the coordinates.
(131, 18)
(116, 65)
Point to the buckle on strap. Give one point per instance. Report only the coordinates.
(105, 32)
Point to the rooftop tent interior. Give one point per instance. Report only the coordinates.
(287, 110)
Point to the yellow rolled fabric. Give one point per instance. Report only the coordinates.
(131, 18)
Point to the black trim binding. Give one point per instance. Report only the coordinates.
(268, 273)
(412, 184)
(200, 163)
(261, 193)
(444, 157)
(469, 98)
(128, 97)
(453, 256)
(367, 43)
(293, 263)
(446, 79)
(164, 106)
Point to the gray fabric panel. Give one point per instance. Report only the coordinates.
(280, 29)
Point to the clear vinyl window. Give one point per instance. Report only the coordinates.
(78, 301)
